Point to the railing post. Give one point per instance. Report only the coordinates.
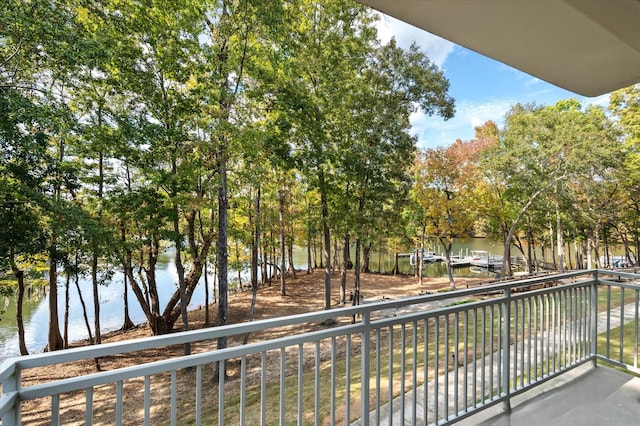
(10, 385)
(594, 319)
(366, 368)
(506, 349)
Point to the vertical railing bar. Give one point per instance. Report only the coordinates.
(556, 326)
(499, 340)
(593, 323)
(333, 382)
(529, 336)
(119, 401)
(514, 361)
(578, 324)
(572, 318)
(547, 325)
(562, 309)
(506, 348)
(465, 378)
(365, 370)
(436, 367)
(403, 351)
(283, 362)
(584, 296)
(243, 389)
(635, 332)
(222, 368)
(55, 410)
(535, 338)
(475, 358)
(390, 374)
(607, 354)
(562, 332)
(426, 372)
(491, 350)
(147, 400)
(174, 397)
(347, 369)
(263, 389)
(523, 339)
(414, 374)
(621, 349)
(445, 364)
(456, 363)
(301, 382)
(88, 406)
(483, 355)
(199, 394)
(378, 374)
(316, 396)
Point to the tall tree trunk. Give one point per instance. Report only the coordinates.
(345, 267)
(55, 341)
(560, 239)
(207, 320)
(366, 257)
(283, 243)
(552, 249)
(309, 245)
(76, 282)
(127, 324)
(180, 268)
(420, 255)
(529, 246)
(396, 264)
(448, 246)
(327, 242)
(255, 244)
(356, 286)
(65, 322)
(19, 274)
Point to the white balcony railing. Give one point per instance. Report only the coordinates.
(431, 359)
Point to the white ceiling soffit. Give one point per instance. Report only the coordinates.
(589, 47)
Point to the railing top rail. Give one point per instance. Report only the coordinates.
(107, 349)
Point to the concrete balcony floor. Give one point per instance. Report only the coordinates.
(584, 396)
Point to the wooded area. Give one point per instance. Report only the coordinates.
(234, 130)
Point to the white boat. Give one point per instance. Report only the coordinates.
(427, 257)
(484, 259)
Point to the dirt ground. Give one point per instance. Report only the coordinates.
(304, 293)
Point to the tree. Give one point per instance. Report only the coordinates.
(443, 188)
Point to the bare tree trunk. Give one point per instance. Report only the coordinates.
(65, 325)
(343, 275)
(19, 274)
(76, 281)
(55, 341)
(283, 243)
(419, 255)
(327, 243)
(553, 249)
(560, 237)
(207, 321)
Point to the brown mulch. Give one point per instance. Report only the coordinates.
(304, 293)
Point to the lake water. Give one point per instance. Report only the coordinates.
(36, 316)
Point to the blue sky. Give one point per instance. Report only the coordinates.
(484, 89)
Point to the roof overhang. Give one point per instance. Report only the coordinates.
(589, 47)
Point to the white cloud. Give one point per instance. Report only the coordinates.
(434, 131)
(602, 101)
(436, 48)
